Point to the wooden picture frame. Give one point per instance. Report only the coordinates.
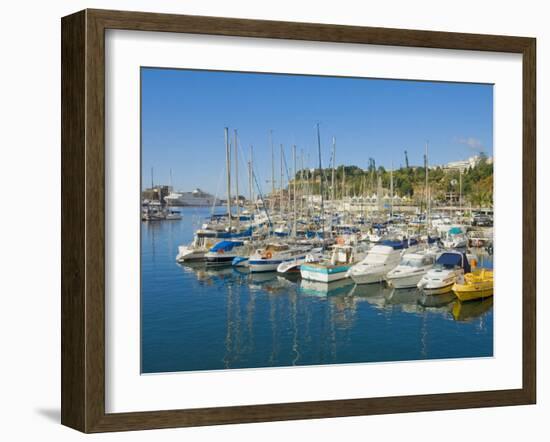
(83, 220)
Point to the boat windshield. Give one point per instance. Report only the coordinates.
(412, 262)
(377, 255)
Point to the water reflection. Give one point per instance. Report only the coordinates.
(273, 320)
(467, 311)
(321, 289)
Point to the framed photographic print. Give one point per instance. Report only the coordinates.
(270, 220)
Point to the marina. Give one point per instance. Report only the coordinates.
(320, 242)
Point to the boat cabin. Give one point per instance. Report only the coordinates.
(453, 260)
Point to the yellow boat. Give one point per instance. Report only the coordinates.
(476, 285)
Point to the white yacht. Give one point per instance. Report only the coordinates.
(294, 265)
(343, 256)
(203, 241)
(379, 261)
(411, 269)
(268, 258)
(449, 267)
(455, 239)
(224, 252)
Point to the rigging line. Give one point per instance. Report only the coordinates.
(243, 155)
(244, 164)
(263, 201)
(286, 166)
(217, 190)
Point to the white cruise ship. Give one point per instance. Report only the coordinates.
(195, 198)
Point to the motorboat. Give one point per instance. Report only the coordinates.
(377, 263)
(475, 285)
(240, 261)
(205, 239)
(455, 239)
(293, 265)
(268, 258)
(173, 215)
(449, 267)
(342, 258)
(223, 253)
(411, 269)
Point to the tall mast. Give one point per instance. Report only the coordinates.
(294, 196)
(427, 191)
(363, 193)
(282, 178)
(153, 186)
(343, 182)
(250, 184)
(333, 167)
(272, 168)
(302, 183)
(237, 181)
(228, 168)
(321, 184)
(391, 190)
(460, 190)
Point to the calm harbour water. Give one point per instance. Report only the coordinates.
(193, 318)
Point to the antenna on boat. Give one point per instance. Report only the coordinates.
(228, 167)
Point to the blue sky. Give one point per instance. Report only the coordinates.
(184, 113)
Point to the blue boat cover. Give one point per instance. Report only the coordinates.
(226, 246)
(450, 260)
(397, 245)
(455, 231)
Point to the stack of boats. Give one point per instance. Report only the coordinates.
(326, 245)
(402, 264)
